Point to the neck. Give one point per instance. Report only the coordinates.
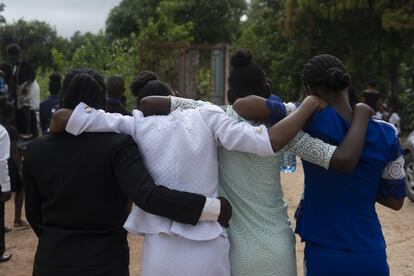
(341, 104)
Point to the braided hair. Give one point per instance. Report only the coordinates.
(84, 85)
(246, 77)
(327, 73)
(146, 84)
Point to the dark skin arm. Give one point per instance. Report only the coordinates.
(391, 202)
(291, 125)
(345, 157)
(15, 154)
(155, 105)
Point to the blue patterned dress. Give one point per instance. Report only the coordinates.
(337, 217)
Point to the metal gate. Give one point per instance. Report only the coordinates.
(195, 71)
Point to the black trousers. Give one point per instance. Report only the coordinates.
(40, 270)
(2, 241)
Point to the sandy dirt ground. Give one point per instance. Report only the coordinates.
(398, 229)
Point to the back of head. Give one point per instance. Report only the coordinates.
(327, 73)
(84, 85)
(55, 84)
(13, 49)
(146, 84)
(6, 110)
(115, 86)
(246, 77)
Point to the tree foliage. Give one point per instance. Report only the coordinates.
(36, 39)
(213, 21)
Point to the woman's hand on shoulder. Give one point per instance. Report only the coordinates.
(316, 102)
(364, 109)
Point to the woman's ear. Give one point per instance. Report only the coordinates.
(309, 90)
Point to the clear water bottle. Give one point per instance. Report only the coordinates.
(287, 162)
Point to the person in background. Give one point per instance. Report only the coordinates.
(24, 92)
(14, 163)
(394, 118)
(3, 85)
(115, 89)
(372, 98)
(51, 104)
(7, 73)
(5, 192)
(147, 83)
(124, 101)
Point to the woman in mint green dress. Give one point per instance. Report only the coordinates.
(262, 242)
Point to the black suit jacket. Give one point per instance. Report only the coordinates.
(76, 198)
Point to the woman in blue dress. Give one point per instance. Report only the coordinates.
(337, 218)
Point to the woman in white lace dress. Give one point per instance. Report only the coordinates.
(261, 238)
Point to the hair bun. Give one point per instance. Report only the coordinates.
(144, 77)
(336, 79)
(241, 57)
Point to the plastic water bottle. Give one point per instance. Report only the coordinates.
(287, 162)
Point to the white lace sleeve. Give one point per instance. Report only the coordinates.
(311, 149)
(394, 169)
(183, 103)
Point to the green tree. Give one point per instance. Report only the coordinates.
(213, 21)
(36, 39)
(129, 17)
(372, 37)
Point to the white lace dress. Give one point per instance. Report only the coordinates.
(262, 242)
(180, 152)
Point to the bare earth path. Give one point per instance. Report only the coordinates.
(398, 229)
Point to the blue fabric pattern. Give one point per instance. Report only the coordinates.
(277, 109)
(392, 188)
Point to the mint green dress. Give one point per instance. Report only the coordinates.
(262, 242)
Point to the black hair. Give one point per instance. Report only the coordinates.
(13, 49)
(372, 83)
(246, 77)
(146, 84)
(84, 85)
(326, 72)
(115, 86)
(55, 84)
(6, 110)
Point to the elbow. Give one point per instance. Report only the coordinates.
(397, 205)
(240, 106)
(237, 106)
(146, 106)
(343, 163)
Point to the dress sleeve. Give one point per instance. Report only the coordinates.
(234, 135)
(183, 103)
(277, 109)
(311, 149)
(392, 183)
(88, 119)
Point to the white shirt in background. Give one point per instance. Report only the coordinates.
(4, 156)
